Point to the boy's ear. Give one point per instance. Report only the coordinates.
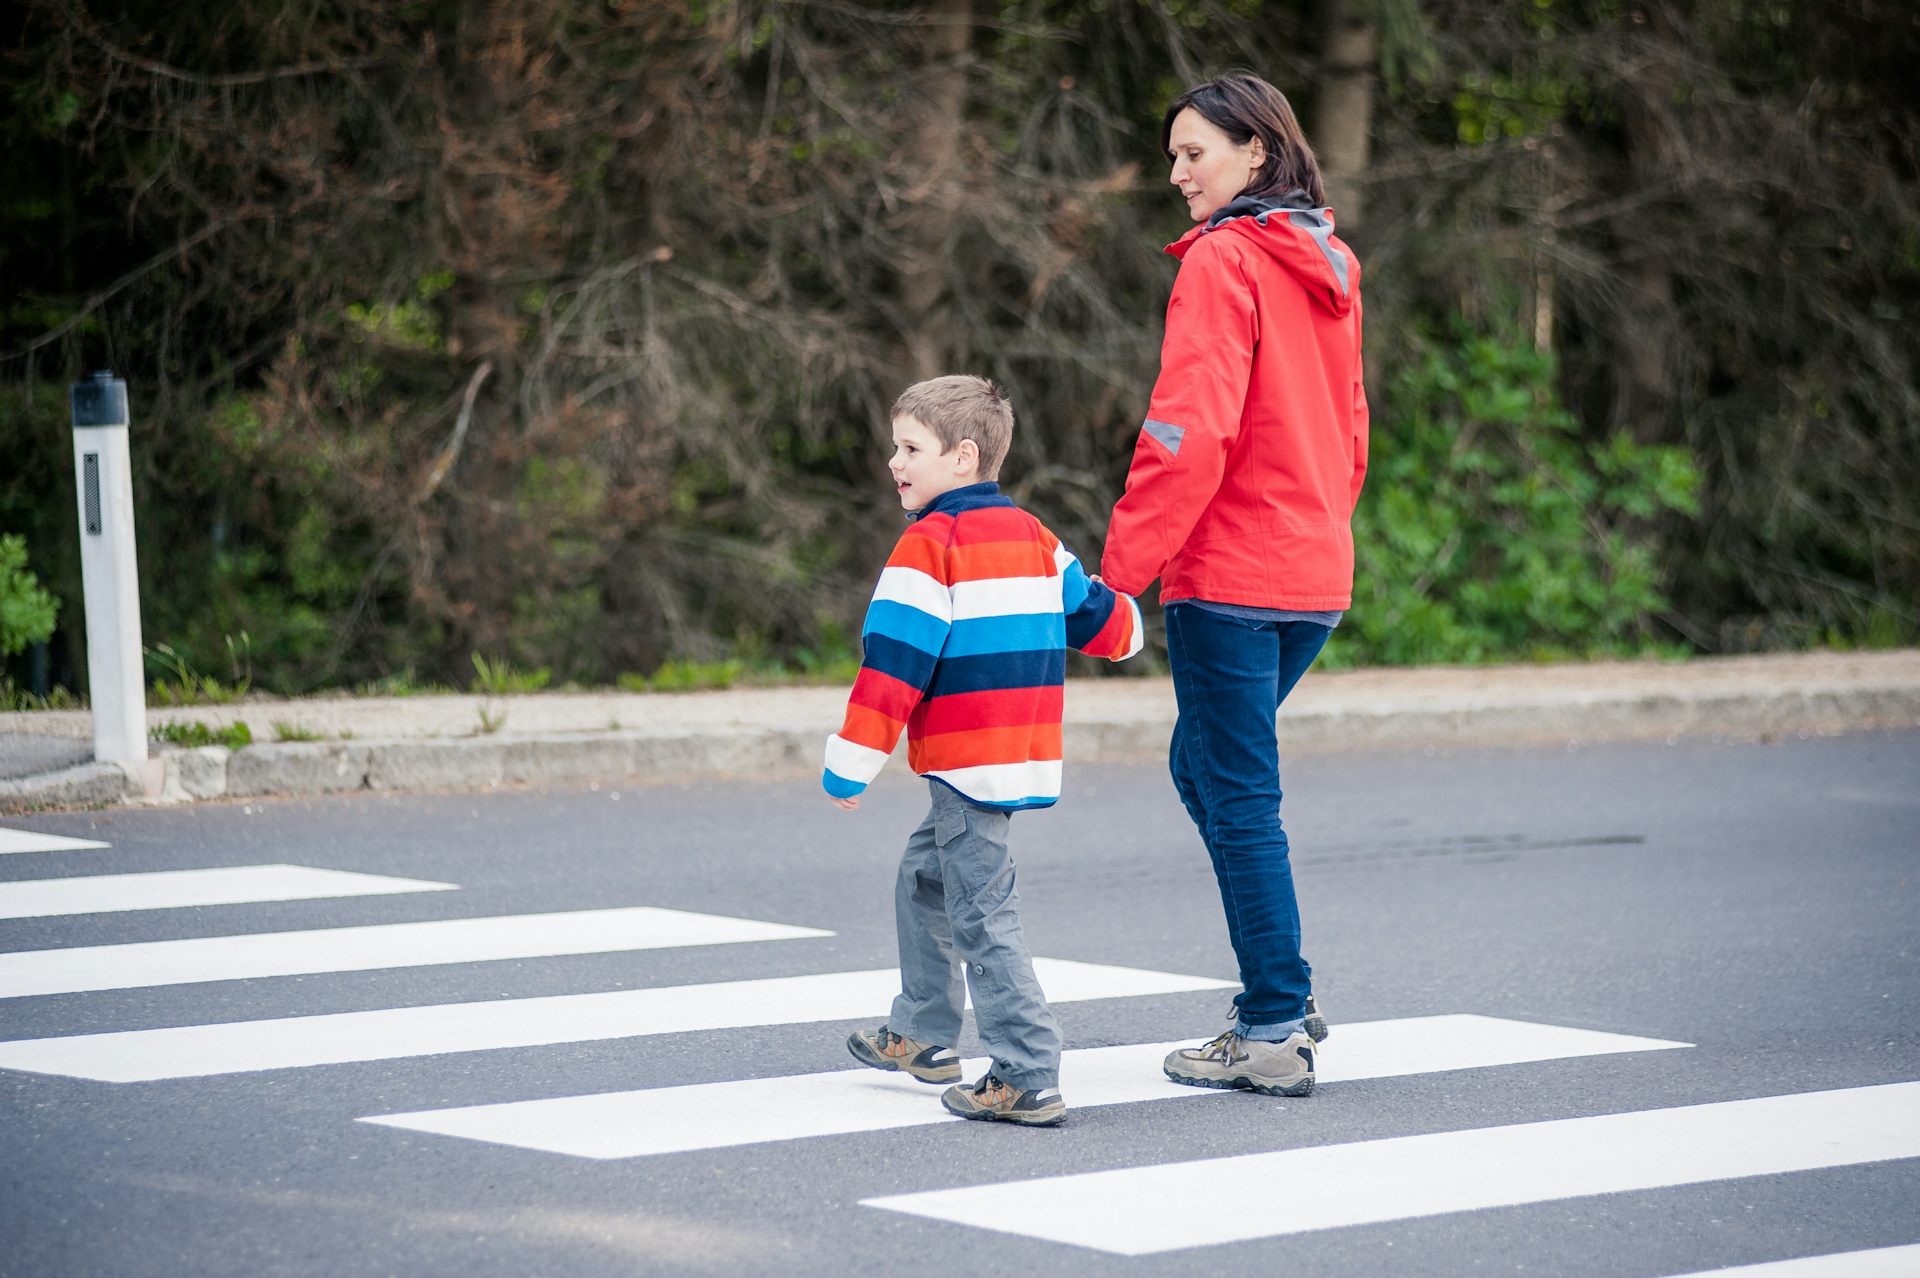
(966, 457)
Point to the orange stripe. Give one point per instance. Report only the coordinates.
(871, 728)
(918, 550)
(970, 749)
(985, 560)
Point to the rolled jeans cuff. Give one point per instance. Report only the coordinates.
(1278, 1032)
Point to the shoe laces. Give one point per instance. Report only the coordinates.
(992, 1091)
(1225, 1049)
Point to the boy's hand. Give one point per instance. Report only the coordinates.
(845, 805)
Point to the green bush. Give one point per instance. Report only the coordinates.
(1490, 529)
(190, 735)
(27, 611)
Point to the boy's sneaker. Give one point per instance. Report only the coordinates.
(884, 1049)
(992, 1099)
(1272, 1069)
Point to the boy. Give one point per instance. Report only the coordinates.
(965, 647)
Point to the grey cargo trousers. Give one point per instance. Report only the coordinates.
(958, 915)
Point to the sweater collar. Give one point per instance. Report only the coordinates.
(955, 500)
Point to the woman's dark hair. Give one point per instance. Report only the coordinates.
(1245, 107)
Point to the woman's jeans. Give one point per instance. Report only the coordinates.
(1230, 676)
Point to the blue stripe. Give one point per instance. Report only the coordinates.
(1073, 585)
(1021, 632)
(838, 786)
(995, 671)
(908, 664)
(905, 623)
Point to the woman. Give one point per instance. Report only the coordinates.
(1240, 501)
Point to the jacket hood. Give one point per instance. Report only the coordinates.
(1289, 229)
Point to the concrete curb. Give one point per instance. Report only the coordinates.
(88, 785)
(759, 734)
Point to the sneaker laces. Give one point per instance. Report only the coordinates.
(992, 1091)
(1222, 1049)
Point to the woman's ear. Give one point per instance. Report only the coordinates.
(1256, 152)
(966, 459)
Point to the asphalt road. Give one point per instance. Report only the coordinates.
(1755, 902)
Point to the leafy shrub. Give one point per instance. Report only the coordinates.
(27, 611)
(1491, 529)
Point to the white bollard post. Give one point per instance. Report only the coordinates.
(103, 480)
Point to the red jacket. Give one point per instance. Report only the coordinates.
(1255, 445)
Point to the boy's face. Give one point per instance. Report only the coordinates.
(921, 472)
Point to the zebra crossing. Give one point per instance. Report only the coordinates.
(1160, 1207)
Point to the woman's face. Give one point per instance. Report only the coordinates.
(1209, 167)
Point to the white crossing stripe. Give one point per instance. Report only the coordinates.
(1882, 1262)
(174, 889)
(670, 1120)
(361, 949)
(1139, 1211)
(34, 841)
(194, 1051)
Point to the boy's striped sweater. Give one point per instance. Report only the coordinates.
(965, 647)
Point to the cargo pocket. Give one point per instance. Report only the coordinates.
(949, 823)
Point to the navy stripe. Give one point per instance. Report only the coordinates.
(903, 661)
(1086, 620)
(995, 671)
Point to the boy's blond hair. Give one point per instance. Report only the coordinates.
(961, 406)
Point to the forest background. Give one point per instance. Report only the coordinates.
(539, 340)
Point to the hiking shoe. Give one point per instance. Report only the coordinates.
(992, 1099)
(1316, 1024)
(1247, 1064)
(884, 1049)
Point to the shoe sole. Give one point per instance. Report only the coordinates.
(988, 1116)
(858, 1049)
(1246, 1083)
(1316, 1027)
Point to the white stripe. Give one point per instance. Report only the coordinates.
(1005, 782)
(1882, 1262)
(1142, 1210)
(853, 761)
(175, 889)
(1878, 1263)
(360, 949)
(194, 1051)
(1005, 597)
(915, 589)
(670, 1120)
(34, 841)
(1062, 557)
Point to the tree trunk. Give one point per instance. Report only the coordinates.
(1644, 328)
(934, 188)
(1343, 116)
